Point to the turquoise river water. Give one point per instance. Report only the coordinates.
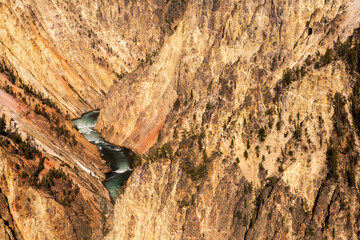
(118, 158)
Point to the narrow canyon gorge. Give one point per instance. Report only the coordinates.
(177, 119)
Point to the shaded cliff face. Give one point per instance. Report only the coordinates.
(244, 151)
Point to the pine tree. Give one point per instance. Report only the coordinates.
(2, 125)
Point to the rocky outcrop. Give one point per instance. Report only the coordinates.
(245, 125)
(57, 194)
(6, 222)
(73, 51)
(278, 190)
(266, 37)
(57, 60)
(242, 151)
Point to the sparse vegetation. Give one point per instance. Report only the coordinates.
(177, 104)
(12, 140)
(298, 132)
(43, 106)
(2, 124)
(278, 126)
(332, 162)
(262, 134)
(59, 186)
(200, 139)
(24, 174)
(165, 151)
(232, 143)
(246, 155)
(208, 106)
(25, 148)
(193, 172)
(257, 149)
(340, 117)
(137, 161)
(261, 167)
(287, 78)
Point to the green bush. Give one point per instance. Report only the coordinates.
(195, 173)
(332, 162)
(176, 104)
(278, 126)
(298, 133)
(262, 134)
(340, 117)
(2, 125)
(287, 78)
(257, 148)
(261, 167)
(232, 143)
(24, 175)
(246, 155)
(327, 58)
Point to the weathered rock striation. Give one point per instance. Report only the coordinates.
(242, 151)
(244, 115)
(262, 36)
(57, 194)
(72, 51)
(64, 56)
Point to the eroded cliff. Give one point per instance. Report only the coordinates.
(72, 51)
(263, 37)
(57, 60)
(246, 148)
(244, 115)
(50, 175)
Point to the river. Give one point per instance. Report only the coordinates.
(117, 157)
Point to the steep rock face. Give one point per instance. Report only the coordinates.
(241, 153)
(244, 151)
(58, 195)
(227, 202)
(57, 60)
(36, 217)
(263, 36)
(69, 52)
(72, 51)
(6, 222)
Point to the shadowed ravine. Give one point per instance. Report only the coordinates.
(117, 157)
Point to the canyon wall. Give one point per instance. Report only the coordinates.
(245, 124)
(57, 60)
(232, 146)
(73, 51)
(50, 181)
(263, 37)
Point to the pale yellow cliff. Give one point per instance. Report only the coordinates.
(223, 64)
(72, 51)
(245, 126)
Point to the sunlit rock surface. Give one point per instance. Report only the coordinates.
(228, 147)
